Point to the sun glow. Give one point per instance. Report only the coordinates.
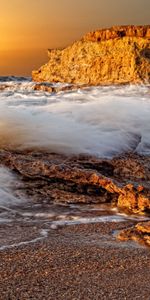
(41, 24)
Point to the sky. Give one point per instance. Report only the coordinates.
(29, 27)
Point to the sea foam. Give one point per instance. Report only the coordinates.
(102, 121)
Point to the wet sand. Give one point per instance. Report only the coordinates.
(73, 262)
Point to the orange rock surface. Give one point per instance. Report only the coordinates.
(118, 55)
(85, 179)
(139, 233)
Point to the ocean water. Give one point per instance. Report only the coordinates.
(102, 121)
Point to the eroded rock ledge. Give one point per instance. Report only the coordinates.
(117, 55)
(123, 182)
(118, 32)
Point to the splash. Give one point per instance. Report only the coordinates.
(102, 121)
(8, 182)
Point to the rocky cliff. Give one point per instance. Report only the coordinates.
(117, 55)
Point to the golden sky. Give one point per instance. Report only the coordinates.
(29, 27)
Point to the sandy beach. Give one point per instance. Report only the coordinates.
(74, 262)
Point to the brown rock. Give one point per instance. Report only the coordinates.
(47, 87)
(118, 55)
(44, 88)
(118, 32)
(87, 179)
(143, 227)
(139, 233)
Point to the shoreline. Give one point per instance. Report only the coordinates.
(47, 179)
(41, 259)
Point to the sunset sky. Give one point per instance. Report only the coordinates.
(29, 27)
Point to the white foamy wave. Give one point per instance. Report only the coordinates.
(103, 121)
(10, 85)
(21, 86)
(8, 181)
(13, 79)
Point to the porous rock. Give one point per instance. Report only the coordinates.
(83, 178)
(118, 55)
(139, 233)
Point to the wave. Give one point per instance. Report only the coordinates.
(102, 121)
(14, 78)
(8, 182)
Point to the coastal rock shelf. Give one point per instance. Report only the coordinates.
(123, 181)
(118, 55)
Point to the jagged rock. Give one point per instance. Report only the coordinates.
(143, 227)
(139, 233)
(118, 32)
(118, 55)
(83, 178)
(134, 199)
(47, 87)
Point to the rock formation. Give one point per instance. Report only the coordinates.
(139, 233)
(123, 181)
(118, 55)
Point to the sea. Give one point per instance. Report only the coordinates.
(103, 121)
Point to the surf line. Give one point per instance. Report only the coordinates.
(43, 235)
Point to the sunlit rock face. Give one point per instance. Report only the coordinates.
(84, 179)
(118, 55)
(139, 233)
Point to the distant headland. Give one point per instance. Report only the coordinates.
(118, 55)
